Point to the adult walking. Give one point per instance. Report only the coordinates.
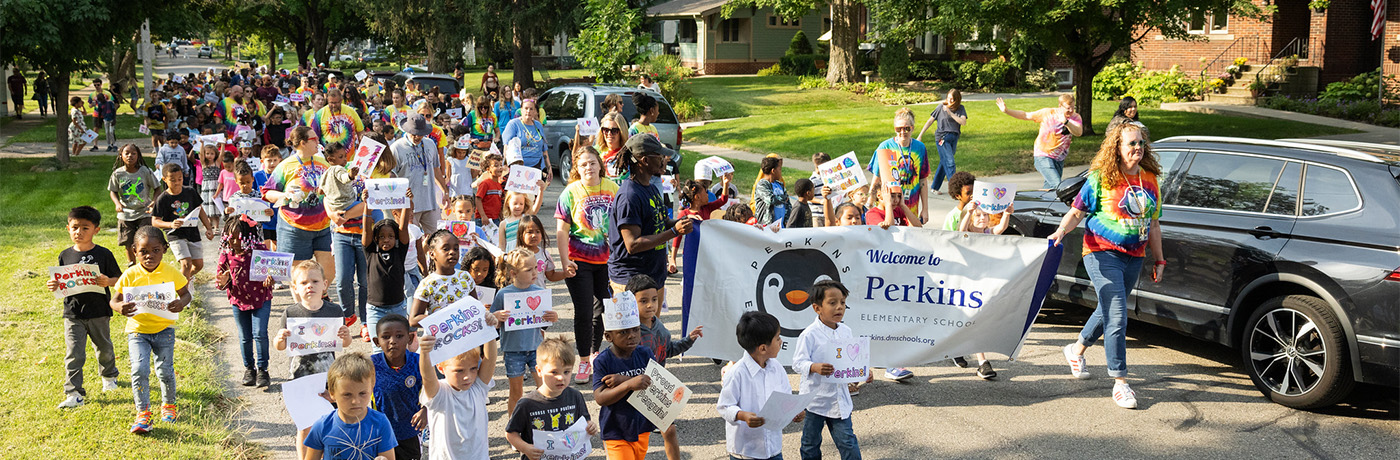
(901, 162)
(304, 229)
(530, 132)
(506, 108)
(41, 94)
(638, 229)
(337, 122)
(1128, 113)
(581, 232)
(950, 116)
(1119, 203)
(490, 82)
(419, 161)
(1058, 126)
(612, 137)
(17, 86)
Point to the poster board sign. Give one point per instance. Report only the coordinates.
(296, 97)
(717, 166)
(664, 400)
(485, 294)
(89, 136)
(76, 279)
(252, 207)
(254, 163)
(367, 156)
(782, 407)
(269, 264)
(305, 399)
(993, 197)
(570, 444)
(524, 179)
(191, 219)
(143, 129)
(850, 356)
(458, 327)
(215, 139)
(588, 126)
(360, 76)
(842, 173)
(527, 309)
(491, 247)
(456, 113)
(313, 335)
(282, 100)
(153, 300)
(387, 193)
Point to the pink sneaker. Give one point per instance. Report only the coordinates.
(585, 372)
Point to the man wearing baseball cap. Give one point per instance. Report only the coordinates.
(637, 226)
(420, 161)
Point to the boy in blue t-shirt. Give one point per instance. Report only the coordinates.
(618, 371)
(397, 382)
(353, 431)
(271, 157)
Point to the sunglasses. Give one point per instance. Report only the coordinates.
(902, 129)
(1137, 143)
(611, 130)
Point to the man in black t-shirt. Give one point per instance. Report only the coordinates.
(87, 315)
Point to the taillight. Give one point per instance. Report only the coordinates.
(1393, 276)
(679, 131)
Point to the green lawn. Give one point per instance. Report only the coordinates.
(127, 128)
(33, 210)
(732, 97)
(745, 172)
(992, 143)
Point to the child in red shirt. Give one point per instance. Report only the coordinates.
(489, 189)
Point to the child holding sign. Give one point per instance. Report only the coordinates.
(657, 338)
(531, 237)
(517, 274)
(353, 430)
(386, 248)
(252, 300)
(133, 188)
(554, 406)
(172, 210)
(489, 188)
(459, 407)
(148, 328)
(832, 406)
(747, 386)
(618, 371)
(308, 285)
(397, 382)
(86, 313)
(444, 284)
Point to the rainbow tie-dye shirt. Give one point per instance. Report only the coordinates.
(908, 166)
(1119, 218)
(293, 176)
(585, 209)
(230, 110)
(343, 127)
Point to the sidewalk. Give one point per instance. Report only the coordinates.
(1369, 133)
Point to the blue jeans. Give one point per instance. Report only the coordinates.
(350, 268)
(841, 435)
(141, 347)
(375, 313)
(252, 331)
(1051, 169)
(946, 166)
(411, 278)
(302, 244)
(1114, 274)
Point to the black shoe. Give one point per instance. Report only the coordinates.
(960, 362)
(94, 148)
(985, 371)
(250, 377)
(264, 379)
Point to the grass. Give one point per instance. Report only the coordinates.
(127, 128)
(745, 172)
(732, 97)
(992, 143)
(33, 209)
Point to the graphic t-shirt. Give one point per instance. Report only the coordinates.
(1053, 139)
(362, 440)
(314, 363)
(535, 411)
(1118, 218)
(88, 305)
(171, 207)
(908, 167)
(155, 116)
(639, 128)
(621, 421)
(640, 205)
(305, 208)
(343, 127)
(136, 190)
(137, 276)
(440, 291)
(259, 179)
(396, 392)
(586, 209)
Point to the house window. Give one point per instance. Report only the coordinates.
(1208, 21)
(778, 21)
(688, 31)
(732, 30)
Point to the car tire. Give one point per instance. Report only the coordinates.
(566, 163)
(1295, 351)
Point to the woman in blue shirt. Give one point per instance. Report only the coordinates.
(530, 132)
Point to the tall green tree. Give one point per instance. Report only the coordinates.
(609, 38)
(845, 29)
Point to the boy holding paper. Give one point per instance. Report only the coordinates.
(832, 406)
(308, 285)
(554, 406)
(747, 386)
(172, 211)
(87, 314)
(618, 371)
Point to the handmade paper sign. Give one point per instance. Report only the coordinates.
(361, 75)
(512, 153)
(668, 184)
(254, 163)
(993, 197)
(76, 279)
(664, 400)
(282, 100)
(781, 407)
(456, 113)
(524, 179)
(367, 156)
(297, 97)
(387, 193)
(144, 129)
(571, 444)
(485, 294)
(842, 173)
(252, 207)
(269, 264)
(491, 247)
(89, 136)
(459, 228)
(191, 219)
(305, 400)
(718, 166)
(213, 139)
(587, 126)
(313, 335)
(152, 300)
(527, 309)
(458, 327)
(850, 356)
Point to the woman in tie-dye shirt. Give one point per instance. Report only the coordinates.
(304, 229)
(582, 216)
(1119, 203)
(903, 161)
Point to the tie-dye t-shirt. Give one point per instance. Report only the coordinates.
(397, 115)
(586, 209)
(1118, 218)
(908, 166)
(230, 111)
(439, 138)
(1053, 139)
(343, 127)
(292, 176)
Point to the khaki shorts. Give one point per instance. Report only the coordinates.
(186, 249)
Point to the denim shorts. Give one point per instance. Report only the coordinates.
(302, 244)
(519, 363)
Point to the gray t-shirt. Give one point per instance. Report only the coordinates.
(136, 190)
(417, 163)
(946, 125)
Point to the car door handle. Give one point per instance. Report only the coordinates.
(1264, 231)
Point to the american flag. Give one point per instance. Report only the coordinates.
(1377, 18)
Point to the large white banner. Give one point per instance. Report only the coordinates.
(920, 295)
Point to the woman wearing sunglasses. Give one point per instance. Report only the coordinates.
(1119, 203)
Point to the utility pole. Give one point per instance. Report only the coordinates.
(148, 54)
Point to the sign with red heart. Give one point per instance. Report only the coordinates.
(527, 309)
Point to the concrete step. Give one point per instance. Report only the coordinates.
(1232, 99)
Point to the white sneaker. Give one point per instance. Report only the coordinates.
(1123, 395)
(109, 384)
(71, 402)
(1076, 363)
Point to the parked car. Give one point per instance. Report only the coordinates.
(563, 105)
(444, 82)
(206, 52)
(1285, 250)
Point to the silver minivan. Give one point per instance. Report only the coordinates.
(564, 105)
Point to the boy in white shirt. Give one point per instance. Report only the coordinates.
(457, 410)
(832, 406)
(747, 386)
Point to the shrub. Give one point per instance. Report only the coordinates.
(666, 70)
(996, 74)
(1359, 88)
(1115, 80)
(689, 108)
(1042, 80)
(775, 69)
(799, 64)
(927, 70)
(811, 82)
(1155, 87)
(965, 74)
(799, 44)
(1366, 111)
(894, 63)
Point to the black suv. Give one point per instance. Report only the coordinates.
(1287, 250)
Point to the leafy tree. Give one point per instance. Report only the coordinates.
(845, 29)
(799, 44)
(608, 39)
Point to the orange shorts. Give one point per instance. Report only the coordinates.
(623, 450)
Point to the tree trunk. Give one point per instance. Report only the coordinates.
(524, 62)
(272, 56)
(439, 54)
(61, 128)
(1084, 72)
(845, 39)
(303, 50)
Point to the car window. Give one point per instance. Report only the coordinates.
(1228, 182)
(551, 103)
(570, 106)
(1284, 199)
(629, 111)
(1327, 190)
(1167, 159)
(444, 86)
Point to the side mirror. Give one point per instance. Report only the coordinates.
(1068, 189)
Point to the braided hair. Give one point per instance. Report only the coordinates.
(441, 233)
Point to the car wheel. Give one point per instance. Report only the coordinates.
(1296, 352)
(566, 163)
